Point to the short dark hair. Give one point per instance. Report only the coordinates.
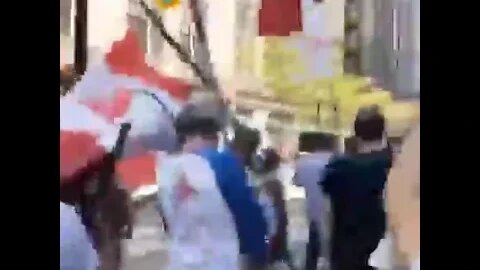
(369, 124)
(190, 121)
(271, 159)
(246, 138)
(317, 141)
(246, 142)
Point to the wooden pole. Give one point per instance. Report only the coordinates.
(81, 36)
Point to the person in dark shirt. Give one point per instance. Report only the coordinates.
(355, 183)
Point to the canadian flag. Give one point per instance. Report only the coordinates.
(125, 68)
(124, 88)
(84, 137)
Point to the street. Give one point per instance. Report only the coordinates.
(147, 249)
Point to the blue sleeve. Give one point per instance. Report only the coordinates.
(250, 223)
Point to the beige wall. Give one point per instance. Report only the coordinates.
(66, 50)
(220, 27)
(107, 22)
(335, 19)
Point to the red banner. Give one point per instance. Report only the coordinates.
(280, 17)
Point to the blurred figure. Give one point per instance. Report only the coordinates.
(76, 250)
(104, 207)
(351, 145)
(198, 132)
(403, 201)
(253, 239)
(200, 225)
(310, 169)
(114, 225)
(245, 144)
(201, 228)
(355, 183)
(272, 200)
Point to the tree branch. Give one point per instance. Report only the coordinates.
(157, 20)
(206, 76)
(198, 20)
(203, 55)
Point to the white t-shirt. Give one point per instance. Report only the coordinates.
(309, 172)
(201, 228)
(76, 250)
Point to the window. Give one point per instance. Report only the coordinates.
(188, 40)
(192, 41)
(395, 30)
(66, 16)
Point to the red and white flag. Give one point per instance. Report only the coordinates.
(124, 88)
(84, 137)
(138, 174)
(124, 69)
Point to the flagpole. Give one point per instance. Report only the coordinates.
(202, 65)
(157, 21)
(203, 59)
(81, 16)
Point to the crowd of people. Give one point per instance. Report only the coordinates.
(217, 219)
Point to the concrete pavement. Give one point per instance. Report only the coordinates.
(147, 249)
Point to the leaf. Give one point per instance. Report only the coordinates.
(339, 96)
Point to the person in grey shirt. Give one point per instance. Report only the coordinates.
(309, 171)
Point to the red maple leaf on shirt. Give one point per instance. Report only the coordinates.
(184, 190)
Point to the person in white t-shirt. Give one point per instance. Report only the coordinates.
(201, 229)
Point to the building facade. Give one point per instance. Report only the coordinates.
(108, 21)
(386, 36)
(228, 23)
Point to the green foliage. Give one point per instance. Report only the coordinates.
(246, 58)
(281, 64)
(339, 96)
